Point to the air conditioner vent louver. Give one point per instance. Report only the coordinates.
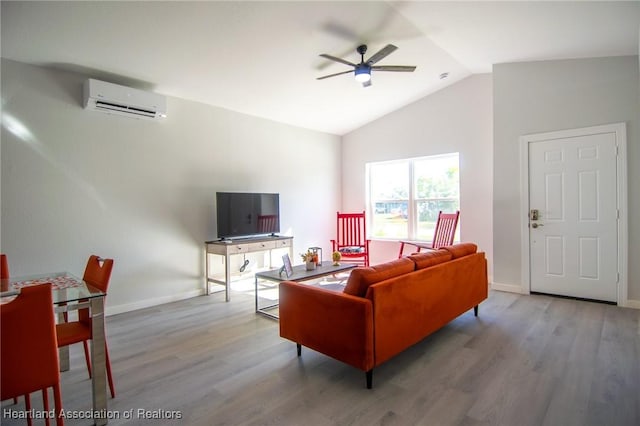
(124, 108)
(121, 100)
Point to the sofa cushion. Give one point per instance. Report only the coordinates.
(429, 258)
(361, 278)
(460, 250)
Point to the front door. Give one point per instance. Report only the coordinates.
(573, 217)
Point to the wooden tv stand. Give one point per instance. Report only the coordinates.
(228, 248)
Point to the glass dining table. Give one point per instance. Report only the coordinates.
(72, 293)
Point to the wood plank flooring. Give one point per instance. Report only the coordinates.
(526, 360)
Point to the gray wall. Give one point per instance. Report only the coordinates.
(77, 182)
(536, 97)
(457, 118)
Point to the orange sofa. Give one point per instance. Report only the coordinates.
(386, 308)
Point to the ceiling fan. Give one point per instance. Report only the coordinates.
(362, 71)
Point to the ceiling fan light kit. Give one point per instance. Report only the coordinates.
(363, 74)
(362, 71)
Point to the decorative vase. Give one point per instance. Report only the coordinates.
(311, 265)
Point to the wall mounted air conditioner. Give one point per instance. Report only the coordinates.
(121, 100)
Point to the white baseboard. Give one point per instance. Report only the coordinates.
(511, 288)
(147, 303)
(635, 304)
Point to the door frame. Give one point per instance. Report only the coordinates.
(620, 130)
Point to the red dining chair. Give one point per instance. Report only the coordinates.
(97, 274)
(4, 276)
(442, 236)
(351, 241)
(28, 350)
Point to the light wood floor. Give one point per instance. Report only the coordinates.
(526, 360)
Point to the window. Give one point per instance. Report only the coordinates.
(405, 196)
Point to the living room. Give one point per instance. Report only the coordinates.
(76, 182)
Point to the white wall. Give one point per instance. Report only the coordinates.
(537, 97)
(77, 182)
(457, 118)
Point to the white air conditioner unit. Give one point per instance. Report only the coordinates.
(121, 100)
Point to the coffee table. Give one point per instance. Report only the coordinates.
(299, 274)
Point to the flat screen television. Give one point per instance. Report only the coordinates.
(244, 214)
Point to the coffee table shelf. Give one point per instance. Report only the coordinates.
(299, 274)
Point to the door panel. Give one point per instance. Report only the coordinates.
(573, 244)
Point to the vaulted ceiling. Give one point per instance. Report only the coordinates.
(261, 58)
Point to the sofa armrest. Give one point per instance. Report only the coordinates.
(336, 324)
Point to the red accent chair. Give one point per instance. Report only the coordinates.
(351, 241)
(442, 236)
(28, 351)
(97, 274)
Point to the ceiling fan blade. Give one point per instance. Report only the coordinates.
(366, 83)
(333, 75)
(381, 54)
(333, 58)
(398, 68)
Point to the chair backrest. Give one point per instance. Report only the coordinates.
(29, 349)
(97, 274)
(352, 230)
(4, 266)
(445, 229)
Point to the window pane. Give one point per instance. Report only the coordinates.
(390, 181)
(390, 220)
(437, 177)
(390, 199)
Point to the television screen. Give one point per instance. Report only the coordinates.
(242, 214)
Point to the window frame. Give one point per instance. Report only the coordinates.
(412, 201)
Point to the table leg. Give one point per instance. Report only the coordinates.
(256, 291)
(63, 352)
(206, 270)
(227, 277)
(98, 361)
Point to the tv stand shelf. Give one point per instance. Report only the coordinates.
(228, 248)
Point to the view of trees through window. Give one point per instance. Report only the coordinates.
(405, 196)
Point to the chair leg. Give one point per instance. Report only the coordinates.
(45, 405)
(475, 310)
(15, 400)
(87, 357)
(109, 376)
(369, 376)
(27, 406)
(299, 349)
(57, 399)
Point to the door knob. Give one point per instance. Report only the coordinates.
(535, 225)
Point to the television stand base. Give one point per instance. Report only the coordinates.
(228, 247)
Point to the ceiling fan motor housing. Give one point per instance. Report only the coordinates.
(363, 72)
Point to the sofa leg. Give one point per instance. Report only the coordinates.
(299, 348)
(369, 375)
(475, 310)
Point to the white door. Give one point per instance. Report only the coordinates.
(573, 243)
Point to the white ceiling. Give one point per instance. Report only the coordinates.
(261, 58)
